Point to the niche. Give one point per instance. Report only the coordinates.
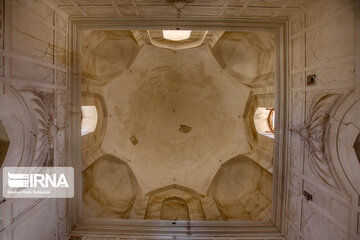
(174, 208)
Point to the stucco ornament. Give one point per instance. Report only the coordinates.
(344, 135)
(315, 135)
(39, 105)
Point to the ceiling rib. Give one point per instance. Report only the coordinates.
(224, 6)
(161, 8)
(133, 2)
(78, 8)
(116, 7)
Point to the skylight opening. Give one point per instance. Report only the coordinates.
(89, 119)
(176, 35)
(271, 120)
(264, 120)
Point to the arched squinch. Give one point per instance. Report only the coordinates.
(110, 188)
(247, 56)
(242, 190)
(174, 208)
(106, 54)
(160, 196)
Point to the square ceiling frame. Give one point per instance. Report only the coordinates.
(161, 229)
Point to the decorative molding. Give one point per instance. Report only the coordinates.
(14, 110)
(39, 104)
(315, 133)
(163, 229)
(214, 8)
(344, 130)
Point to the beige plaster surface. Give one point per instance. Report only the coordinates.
(162, 91)
(175, 117)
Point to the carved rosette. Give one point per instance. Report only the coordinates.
(39, 104)
(315, 134)
(344, 137)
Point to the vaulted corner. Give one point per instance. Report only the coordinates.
(242, 190)
(248, 57)
(109, 188)
(105, 55)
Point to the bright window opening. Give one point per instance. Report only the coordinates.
(89, 118)
(176, 35)
(264, 120)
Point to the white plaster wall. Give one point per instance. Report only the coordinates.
(33, 55)
(322, 42)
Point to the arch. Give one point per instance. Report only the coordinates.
(242, 190)
(250, 62)
(175, 192)
(101, 65)
(174, 208)
(110, 188)
(343, 137)
(26, 117)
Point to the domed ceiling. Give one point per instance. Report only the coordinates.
(173, 123)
